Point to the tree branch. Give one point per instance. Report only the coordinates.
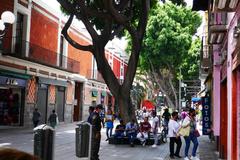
(144, 16)
(70, 40)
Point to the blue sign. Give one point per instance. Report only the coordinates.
(206, 115)
(12, 81)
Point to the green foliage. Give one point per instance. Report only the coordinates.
(169, 37)
(190, 65)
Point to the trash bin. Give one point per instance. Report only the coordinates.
(83, 140)
(44, 142)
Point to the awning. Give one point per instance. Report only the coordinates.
(148, 104)
(94, 93)
(103, 93)
(14, 74)
(196, 99)
(52, 81)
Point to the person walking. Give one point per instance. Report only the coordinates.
(173, 127)
(155, 126)
(191, 121)
(53, 119)
(36, 117)
(109, 123)
(96, 132)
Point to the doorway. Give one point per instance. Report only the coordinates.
(78, 97)
(60, 103)
(42, 101)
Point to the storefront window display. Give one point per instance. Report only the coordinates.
(10, 105)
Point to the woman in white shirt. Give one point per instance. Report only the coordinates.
(173, 127)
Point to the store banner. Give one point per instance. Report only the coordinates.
(206, 115)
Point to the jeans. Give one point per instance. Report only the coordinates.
(119, 135)
(132, 137)
(107, 132)
(188, 140)
(179, 144)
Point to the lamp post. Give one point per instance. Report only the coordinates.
(7, 17)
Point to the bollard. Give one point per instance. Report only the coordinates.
(43, 142)
(83, 140)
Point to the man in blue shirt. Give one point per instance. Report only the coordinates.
(131, 130)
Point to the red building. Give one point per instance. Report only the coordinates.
(39, 69)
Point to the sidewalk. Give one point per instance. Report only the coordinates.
(22, 139)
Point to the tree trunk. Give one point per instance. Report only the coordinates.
(127, 111)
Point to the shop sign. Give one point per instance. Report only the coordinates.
(206, 115)
(12, 81)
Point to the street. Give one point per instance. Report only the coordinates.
(22, 139)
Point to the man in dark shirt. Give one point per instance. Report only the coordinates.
(96, 132)
(166, 115)
(120, 129)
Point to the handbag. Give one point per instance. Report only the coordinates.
(184, 131)
(196, 133)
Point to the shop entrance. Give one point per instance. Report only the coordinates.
(60, 103)
(11, 105)
(42, 102)
(77, 115)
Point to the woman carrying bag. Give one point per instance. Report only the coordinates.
(190, 133)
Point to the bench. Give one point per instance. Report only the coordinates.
(124, 140)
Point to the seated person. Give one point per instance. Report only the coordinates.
(131, 131)
(145, 128)
(120, 129)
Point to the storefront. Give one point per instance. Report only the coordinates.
(12, 99)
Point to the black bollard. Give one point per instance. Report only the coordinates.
(44, 142)
(83, 140)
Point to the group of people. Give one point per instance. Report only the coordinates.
(52, 119)
(132, 131)
(187, 129)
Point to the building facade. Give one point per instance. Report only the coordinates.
(39, 69)
(223, 29)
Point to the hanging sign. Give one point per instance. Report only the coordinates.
(206, 115)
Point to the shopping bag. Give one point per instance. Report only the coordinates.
(184, 131)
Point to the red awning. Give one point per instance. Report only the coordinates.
(148, 105)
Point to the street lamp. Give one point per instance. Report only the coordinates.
(7, 17)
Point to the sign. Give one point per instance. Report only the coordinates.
(206, 115)
(12, 81)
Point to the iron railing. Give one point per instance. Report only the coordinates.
(22, 49)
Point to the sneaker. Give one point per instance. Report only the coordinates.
(194, 158)
(172, 157)
(154, 146)
(186, 158)
(176, 155)
(144, 143)
(107, 139)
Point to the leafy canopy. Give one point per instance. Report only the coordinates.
(169, 36)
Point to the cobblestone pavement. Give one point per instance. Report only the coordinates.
(22, 139)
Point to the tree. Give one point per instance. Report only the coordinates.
(104, 20)
(166, 45)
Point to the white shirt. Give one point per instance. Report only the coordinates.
(155, 123)
(173, 127)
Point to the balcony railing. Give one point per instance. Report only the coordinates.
(95, 75)
(225, 5)
(18, 48)
(217, 27)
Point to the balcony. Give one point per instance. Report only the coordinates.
(224, 5)
(95, 75)
(217, 27)
(21, 49)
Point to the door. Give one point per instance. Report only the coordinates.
(77, 115)
(42, 102)
(60, 103)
